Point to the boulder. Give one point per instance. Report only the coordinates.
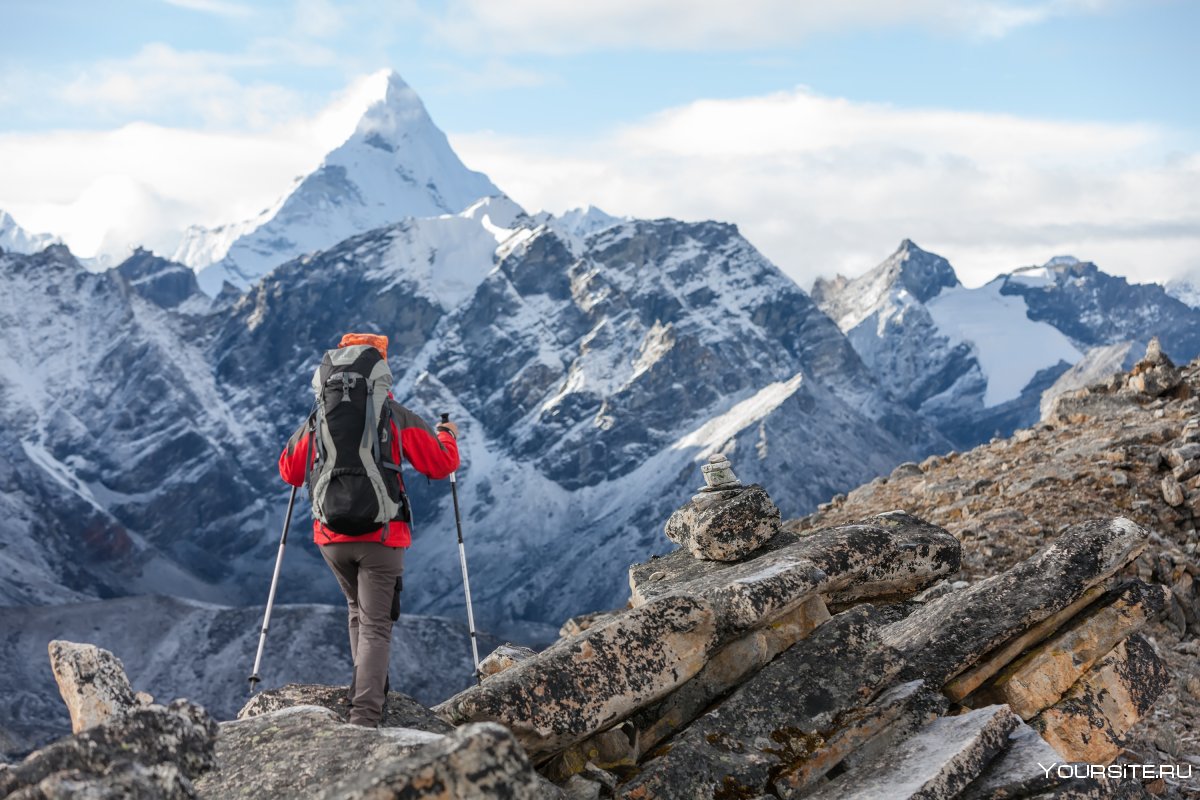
(1039, 679)
(92, 683)
(300, 751)
(1110, 698)
(776, 718)
(945, 636)
(726, 527)
(399, 710)
(179, 737)
(504, 657)
(585, 684)
(911, 555)
(937, 762)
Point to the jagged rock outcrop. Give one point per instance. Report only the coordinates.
(1112, 448)
(826, 708)
(92, 682)
(791, 705)
(1105, 703)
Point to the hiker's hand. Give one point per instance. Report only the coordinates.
(449, 426)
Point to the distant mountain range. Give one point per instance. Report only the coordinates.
(976, 362)
(592, 361)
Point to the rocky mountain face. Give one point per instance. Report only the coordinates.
(980, 362)
(841, 662)
(396, 164)
(589, 374)
(111, 418)
(1130, 444)
(588, 383)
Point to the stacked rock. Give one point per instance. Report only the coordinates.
(725, 520)
(1155, 374)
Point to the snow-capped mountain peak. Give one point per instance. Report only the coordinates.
(16, 239)
(396, 108)
(909, 274)
(396, 164)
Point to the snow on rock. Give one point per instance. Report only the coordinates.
(976, 361)
(396, 164)
(1185, 290)
(15, 239)
(1010, 347)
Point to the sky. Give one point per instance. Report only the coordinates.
(998, 133)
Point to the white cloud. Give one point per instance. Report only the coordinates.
(143, 184)
(819, 184)
(823, 185)
(221, 8)
(160, 82)
(551, 26)
(317, 19)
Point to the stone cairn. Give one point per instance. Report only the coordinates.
(725, 520)
(750, 662)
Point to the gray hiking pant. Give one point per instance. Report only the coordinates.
(367, 573)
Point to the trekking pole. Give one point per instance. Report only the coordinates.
(462, 560)
(262, 639)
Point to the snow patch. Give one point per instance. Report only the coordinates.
(1010, 347)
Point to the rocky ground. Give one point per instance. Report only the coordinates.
(1130, 446)
(867, 652)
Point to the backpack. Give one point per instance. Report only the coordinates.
(354, 486)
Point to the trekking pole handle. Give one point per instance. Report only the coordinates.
(446, 418)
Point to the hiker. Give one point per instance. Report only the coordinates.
(360, 509)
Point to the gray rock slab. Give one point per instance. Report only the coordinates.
(859, 735)
(774, 719)
(399, 710)
(477, 761)
(299, 751)
(935, 763)
(1025, 767)
(948, 634)
(886, 554)
(589, 682)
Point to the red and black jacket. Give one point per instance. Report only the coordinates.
(432, 454)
